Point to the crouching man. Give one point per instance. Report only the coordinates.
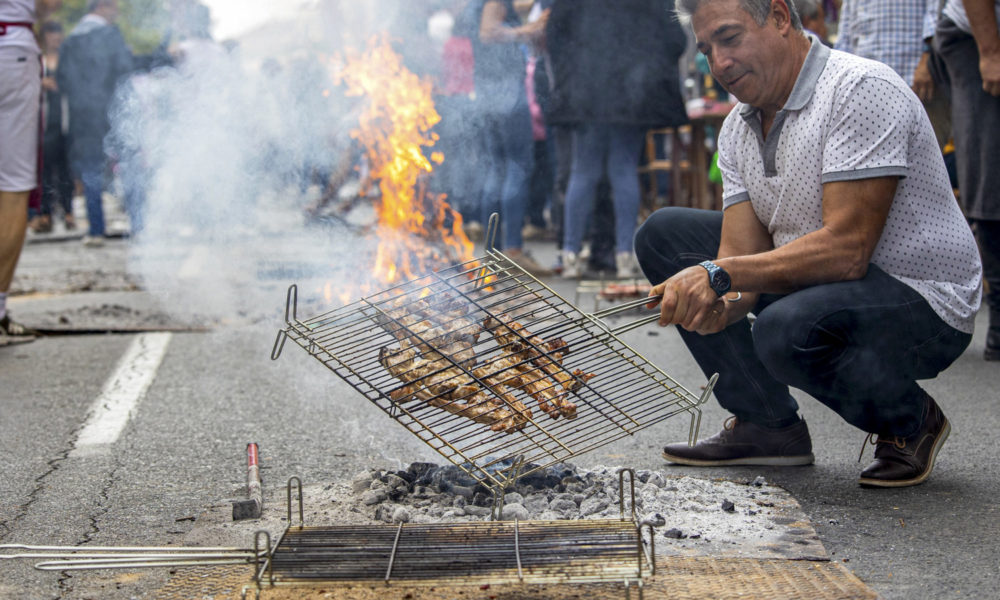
(840, 233)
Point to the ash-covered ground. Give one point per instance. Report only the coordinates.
(693, 517)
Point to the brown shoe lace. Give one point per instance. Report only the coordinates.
(875, 440)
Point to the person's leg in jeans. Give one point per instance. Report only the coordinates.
(988, 234)
(518, 148)
(563, 152)
(589, 145)
(540, 186)
(494, 165)
(92, 175)
(675, 238)
(859, 347)
(624, 151)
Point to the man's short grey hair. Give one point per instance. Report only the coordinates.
(807, 9)
(757, 9)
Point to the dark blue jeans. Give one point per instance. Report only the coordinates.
(621, 146)
(509, 160)
(856, 346)
(91, 173)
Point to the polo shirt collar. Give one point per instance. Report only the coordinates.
(805, 83)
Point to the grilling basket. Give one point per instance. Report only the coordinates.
(492, 368)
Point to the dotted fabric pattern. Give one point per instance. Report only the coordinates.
(850, 118)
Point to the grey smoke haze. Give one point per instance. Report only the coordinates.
(219, 144)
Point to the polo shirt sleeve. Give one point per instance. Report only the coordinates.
(869, 131)
(734, 190)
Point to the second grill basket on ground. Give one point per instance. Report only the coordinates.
(492, 368)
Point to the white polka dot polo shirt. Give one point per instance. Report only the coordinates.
(850, 118)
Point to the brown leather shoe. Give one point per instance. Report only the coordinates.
(900, 462)
(741, 443)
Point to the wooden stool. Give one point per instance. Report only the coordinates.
(677, 164)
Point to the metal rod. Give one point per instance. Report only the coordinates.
(392, 555)
(624, 306)
(291, 303)
(96, 550)
(83, 565)
(302, 520)
(279, 344)
(621, 491)
(651, 557)
(517, 550)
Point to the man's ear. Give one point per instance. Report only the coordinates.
(780, 13)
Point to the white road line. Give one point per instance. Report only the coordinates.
(122, 392)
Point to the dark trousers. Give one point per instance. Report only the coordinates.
(57, 182)
(856, 346)
(976, 118)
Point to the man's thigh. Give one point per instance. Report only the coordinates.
(19, 96)
(878, 313)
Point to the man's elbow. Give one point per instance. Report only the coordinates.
(854, 265)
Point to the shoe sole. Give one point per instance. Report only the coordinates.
(759, 461)
(889, 483)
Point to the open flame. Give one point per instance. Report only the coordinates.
(418, 231)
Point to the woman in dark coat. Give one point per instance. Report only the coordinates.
(616, 74)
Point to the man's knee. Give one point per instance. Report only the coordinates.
(789, 340)
(657, 232)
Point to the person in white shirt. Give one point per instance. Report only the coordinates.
(20, 95)
(839, 232)
(967, 41)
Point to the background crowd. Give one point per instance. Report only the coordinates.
(546, 106)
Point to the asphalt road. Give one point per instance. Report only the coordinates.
(216, 388)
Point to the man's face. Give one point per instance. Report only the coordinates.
(109, 10)
(52, 40)
(744, 56)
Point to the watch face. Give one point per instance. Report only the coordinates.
(720, 281)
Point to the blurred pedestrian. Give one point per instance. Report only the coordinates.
(616, 74)
(968, 41)
(498, 47)
(57, 180)
(92, 62)
(460, 176)
(20, 93)
(813, 18)
(897, 33)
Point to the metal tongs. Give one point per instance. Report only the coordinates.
(599, 316)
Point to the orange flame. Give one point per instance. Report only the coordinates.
(418, 231)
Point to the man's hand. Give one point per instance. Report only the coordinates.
(689, 301)
(923, 84)
(989, 68)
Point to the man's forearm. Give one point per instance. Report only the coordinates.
(810, 260)
(493, 29)
(983, 20)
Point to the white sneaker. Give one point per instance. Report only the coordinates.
(571, 265)
(625, 265)
(93, 241)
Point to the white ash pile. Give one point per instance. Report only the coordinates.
(692, 515)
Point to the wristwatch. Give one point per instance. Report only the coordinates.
(717, 277)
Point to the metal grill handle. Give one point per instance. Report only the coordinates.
(626, 306)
